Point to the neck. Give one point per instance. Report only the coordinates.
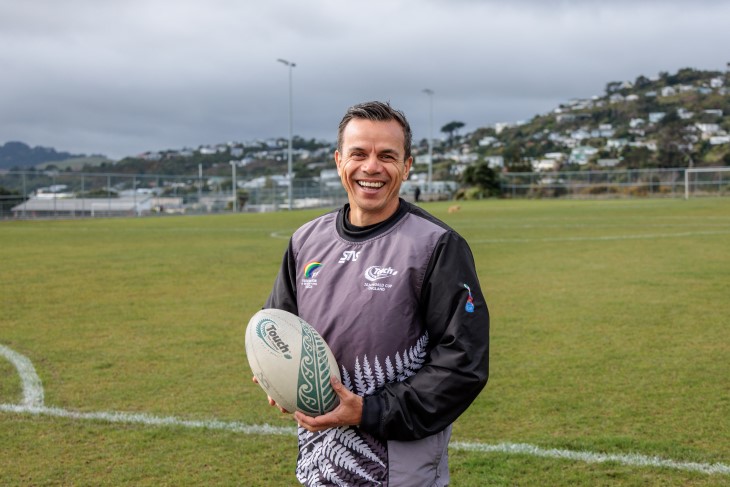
(362, 218)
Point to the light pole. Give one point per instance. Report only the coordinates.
(234, 185)
(430, 136)
(290, 172)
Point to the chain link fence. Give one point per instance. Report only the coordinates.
(56, 194)
(615, 183)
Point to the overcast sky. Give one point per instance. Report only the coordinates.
(121, 77)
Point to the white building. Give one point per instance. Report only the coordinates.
(581, 155)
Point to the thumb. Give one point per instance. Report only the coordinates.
(337, 386)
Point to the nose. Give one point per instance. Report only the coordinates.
(371, 165)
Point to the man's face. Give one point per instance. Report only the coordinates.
(372, 168)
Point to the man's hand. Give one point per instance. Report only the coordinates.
(271, 401)
(347, 413)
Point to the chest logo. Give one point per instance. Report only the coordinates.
(348, 256)
(311, 271)
(376, 273)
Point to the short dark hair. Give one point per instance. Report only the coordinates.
(378, 112)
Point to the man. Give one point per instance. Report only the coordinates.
(394, 292)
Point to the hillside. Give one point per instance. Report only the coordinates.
(18, 155)
(674, 120)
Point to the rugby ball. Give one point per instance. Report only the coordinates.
(291, 362)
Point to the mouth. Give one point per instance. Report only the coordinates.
(371, 184)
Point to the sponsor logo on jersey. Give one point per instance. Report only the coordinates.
(348, 256)
(375, 274)
(469, 307)
(311, 271)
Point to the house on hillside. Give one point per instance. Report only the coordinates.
(707, 129)
(719, 139)
(580, 134)
(580, 155)
(655, 117)
(717, 82)
(544, 165)
(616, 98)
(487, 141)
(616, 143)
(636, 122)
(494, 161)
(684, 114)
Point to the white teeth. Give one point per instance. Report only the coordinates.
(371, 184)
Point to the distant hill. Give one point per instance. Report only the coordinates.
(673, 120)
(76, 163)
(18, 155)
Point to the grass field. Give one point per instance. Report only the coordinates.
(610, 341)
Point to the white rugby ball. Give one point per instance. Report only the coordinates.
(291, 362)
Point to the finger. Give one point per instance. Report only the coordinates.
(309, 423)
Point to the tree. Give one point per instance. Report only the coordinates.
(9, 199)
(451, 128)
(613, 87)
(636, 157)
(642, 82)
(482, 176)
(674, 150)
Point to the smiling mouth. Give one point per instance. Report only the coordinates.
(371, 184)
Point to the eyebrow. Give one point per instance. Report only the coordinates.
(350, 150)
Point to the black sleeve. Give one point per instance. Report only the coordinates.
(283, 295)
(457, 366)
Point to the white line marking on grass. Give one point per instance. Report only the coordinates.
(31, 383)
(630, 459)
(33, 404)
(148, 420)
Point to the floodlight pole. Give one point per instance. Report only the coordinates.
(290, 172)
(429, 92)
(233, 186)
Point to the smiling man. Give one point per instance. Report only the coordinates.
(396, 296)
(372, 160)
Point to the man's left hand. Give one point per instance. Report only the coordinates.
(347, 413)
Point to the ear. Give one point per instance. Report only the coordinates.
(338, 161)
(407, 168)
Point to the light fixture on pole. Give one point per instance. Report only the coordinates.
(430, 137)
(290, 172)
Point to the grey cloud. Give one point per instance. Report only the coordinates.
(132, 75)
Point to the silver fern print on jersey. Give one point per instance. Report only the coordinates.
(347, 456)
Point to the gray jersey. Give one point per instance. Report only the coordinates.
(386, 301)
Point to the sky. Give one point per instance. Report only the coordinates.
(123, 77)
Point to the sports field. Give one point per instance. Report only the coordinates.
(122, 354)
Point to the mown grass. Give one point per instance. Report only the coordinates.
(609, 334)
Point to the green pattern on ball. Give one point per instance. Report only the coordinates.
(315, 394)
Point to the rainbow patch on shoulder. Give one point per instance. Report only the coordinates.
(310, 269)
